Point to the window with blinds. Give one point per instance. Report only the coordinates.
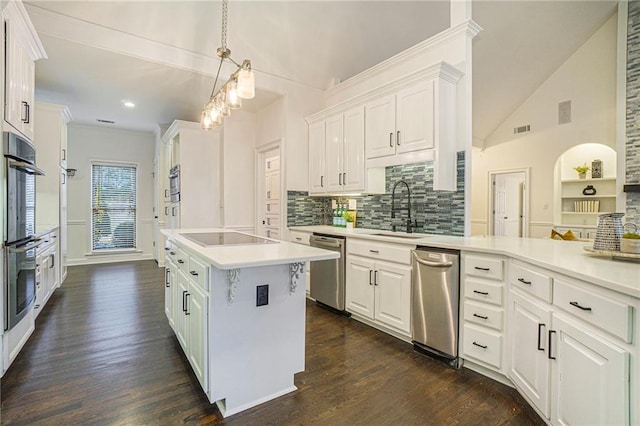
(113, 202)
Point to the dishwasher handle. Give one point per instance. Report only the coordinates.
(433, 264)
(324, 242)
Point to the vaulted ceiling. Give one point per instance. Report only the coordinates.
(103, 52)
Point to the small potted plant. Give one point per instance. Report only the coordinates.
(630, 242)
(350, 218)
(582, 170)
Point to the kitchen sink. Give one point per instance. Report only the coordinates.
(394, 235)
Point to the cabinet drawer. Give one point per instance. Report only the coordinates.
(198, 273)
(608, 314)
(484, 266)
(482, 314)
(531, 281)
(272, 164)
(484, 291)
(483, 345)
(272, 207)
(383, 251)
(182, 259)
(299, 237)
(272, 220)
(172, 252)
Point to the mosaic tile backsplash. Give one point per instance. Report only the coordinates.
(632, 165)
(437, 212)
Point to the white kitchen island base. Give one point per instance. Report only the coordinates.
(255, 351)
(244, 350)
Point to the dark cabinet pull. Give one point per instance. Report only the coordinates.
(64, 154)
(482, 269)
(298, 239)
(180, 261)
(173, 253)
(398, 138)
(166, 249)
(374, 251)
(540, 335)
(339, 178)
(25, 105)
(480, 346)
(186, 311)
(375, 277)
(344, 178)
(166, 277)
(577, 305)
(549, 354)
(28, 114)
(480, 316)
(321, 181)
(166, 211)
(370, 272)
(184, 301)
(391, 140)
(523, 281)
(484, 293)
(194, 273)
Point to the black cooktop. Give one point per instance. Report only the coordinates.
(225, 239)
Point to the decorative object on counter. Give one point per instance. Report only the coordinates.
(589, 190)
(630, 242)
(241, 85)
(596, 169)
(609, 232)
(582, 170)
(615, 255)
(350, 217)
(567, 236)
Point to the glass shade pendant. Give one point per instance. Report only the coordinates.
(246, 84)
(205, 121)
(233, 100)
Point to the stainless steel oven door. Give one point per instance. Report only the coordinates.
(20, 288)
(21, 201)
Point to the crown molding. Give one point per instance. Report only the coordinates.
(179, 126)
(468, 28)
(15, 13)
(61, 109)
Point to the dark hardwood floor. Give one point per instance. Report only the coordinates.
(103, 353)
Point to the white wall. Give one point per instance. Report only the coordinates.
(87, 143)
(238, 170)
(588, 80)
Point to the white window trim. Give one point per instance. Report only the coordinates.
(99, 162)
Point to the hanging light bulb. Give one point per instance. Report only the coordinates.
(224, 107)
(205, 120)
(246, 81)
(233, 100)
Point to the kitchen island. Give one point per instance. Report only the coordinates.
(234, 303)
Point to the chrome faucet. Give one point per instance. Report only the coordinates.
(410, 225)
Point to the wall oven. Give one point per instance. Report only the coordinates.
(20, 243)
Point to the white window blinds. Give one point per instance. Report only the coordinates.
(113, 202)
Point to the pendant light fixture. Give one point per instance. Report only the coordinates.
(241, 85)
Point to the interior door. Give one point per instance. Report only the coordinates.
(508, 204)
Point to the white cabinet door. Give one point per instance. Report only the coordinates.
(62, 257)
(28, 89)
(317, 182)
(197, 316)
(590, 378)
(168, 293)
(176, 303)
(393, 296)
(360, 292)
(334, 143)
(14, 109)
(530, 370)
(415, 118)
(380, 127)
(354, 167)
(181, 319)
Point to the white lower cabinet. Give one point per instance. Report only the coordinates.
(563, 356)
(187, 307)
(380, 291)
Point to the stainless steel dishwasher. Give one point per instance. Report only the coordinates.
(435, 295)
(327, 276)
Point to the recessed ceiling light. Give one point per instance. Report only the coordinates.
(128, 104)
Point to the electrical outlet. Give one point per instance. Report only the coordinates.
(262, 295)
(334, 204)
(353, 204)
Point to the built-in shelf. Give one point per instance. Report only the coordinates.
(589, 197)
(609, 179)
(571, 195)
(585, 213)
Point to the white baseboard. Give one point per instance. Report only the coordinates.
(95, 259)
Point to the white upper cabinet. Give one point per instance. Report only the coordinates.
(340, 167)
(23, 48)
(317, 183)
(402, 122)
(380, 127)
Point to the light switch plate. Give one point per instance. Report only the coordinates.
(334, 204)
(353, 204)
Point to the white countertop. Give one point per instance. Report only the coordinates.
(565, 257)
(250, 255)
